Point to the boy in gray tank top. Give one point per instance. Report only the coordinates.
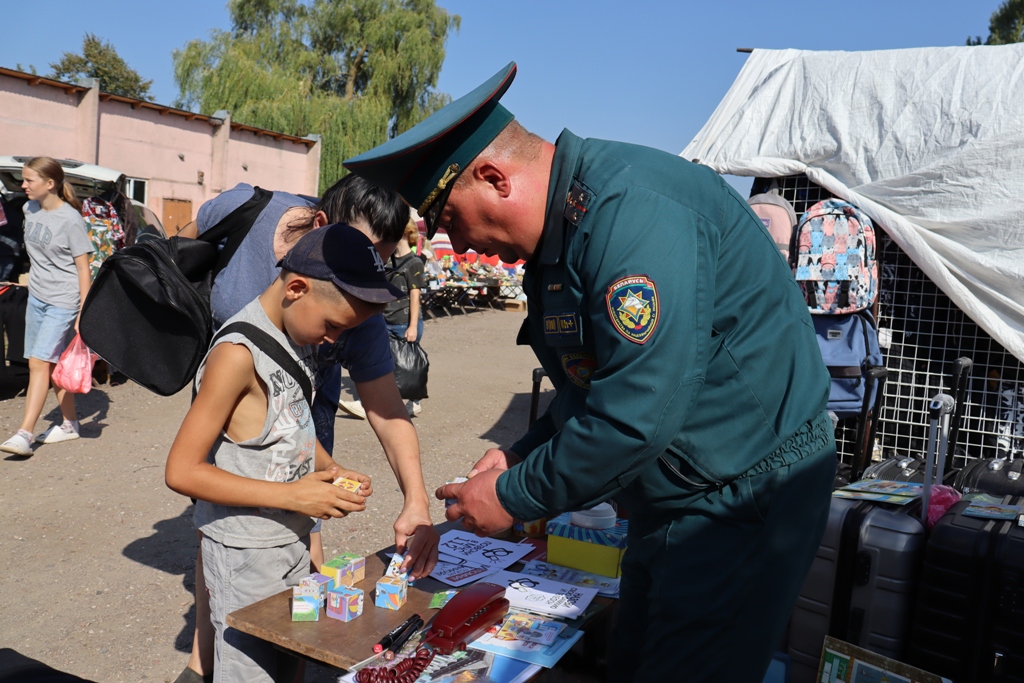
(247, 450)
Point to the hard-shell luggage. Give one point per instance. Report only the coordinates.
(968, 622)
(908, 468)
(996, 476)
(862, 582)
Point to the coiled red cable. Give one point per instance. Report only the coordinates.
(405, 671)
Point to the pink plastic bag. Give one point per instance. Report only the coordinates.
(941, 499)
(73, 371)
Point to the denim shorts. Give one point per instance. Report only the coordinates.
(48, 330)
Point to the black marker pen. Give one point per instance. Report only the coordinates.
(387, 640)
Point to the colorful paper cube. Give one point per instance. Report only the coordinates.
(357, 564)
(319, 581)
(391, 592)
(344, 603)
(305, 608)
(339, 571)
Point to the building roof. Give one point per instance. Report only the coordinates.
(73, 88)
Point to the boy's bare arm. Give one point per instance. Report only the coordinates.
(228, 378)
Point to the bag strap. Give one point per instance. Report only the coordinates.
(273, 348)
(235, 226)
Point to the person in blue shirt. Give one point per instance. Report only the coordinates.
(689, 386)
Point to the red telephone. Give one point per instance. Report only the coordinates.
(467, 616)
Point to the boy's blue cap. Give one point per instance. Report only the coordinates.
(422, 163)
(341, 254)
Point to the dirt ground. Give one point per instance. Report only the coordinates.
(97, 554)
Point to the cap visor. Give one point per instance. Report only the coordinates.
(385, 293)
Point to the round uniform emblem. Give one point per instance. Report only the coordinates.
(633, 307)
(578, 368)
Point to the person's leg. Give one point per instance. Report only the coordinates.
(725, 581)
(237, 577)
(39, 372)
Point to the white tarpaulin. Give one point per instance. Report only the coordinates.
(929, 142)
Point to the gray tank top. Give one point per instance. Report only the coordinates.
(284, 451)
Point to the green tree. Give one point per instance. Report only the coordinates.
(1005, 26)
(355, 71)
(100, 60)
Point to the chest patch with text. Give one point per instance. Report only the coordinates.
(561, 324)
(633, 307)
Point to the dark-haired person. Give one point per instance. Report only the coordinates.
(58, 249)
(363, 350)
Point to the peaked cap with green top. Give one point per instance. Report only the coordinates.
(422, 163)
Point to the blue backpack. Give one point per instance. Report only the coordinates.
(849, 347)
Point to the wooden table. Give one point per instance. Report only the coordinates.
(344, 644)
(337, 643)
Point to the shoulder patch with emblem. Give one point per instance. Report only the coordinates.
(578, 368)
(633, 307)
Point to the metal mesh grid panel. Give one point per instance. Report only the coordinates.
(926, 333)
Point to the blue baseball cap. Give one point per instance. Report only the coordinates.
(422, 163)
(345, 256)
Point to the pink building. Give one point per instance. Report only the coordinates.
(175, 159)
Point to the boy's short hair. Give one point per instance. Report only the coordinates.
(346, 257)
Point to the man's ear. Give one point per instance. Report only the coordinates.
(488, 172)
(320, 220)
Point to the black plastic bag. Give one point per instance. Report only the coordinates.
(411, 366)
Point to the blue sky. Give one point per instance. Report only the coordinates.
(641, 71)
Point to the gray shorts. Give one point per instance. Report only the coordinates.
(236, 578)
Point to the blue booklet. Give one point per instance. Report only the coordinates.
(544, 655)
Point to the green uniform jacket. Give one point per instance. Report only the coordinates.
(678, 342)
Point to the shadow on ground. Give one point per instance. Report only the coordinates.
(172, 549)
(514, 422)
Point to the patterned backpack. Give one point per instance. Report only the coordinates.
(835, 258)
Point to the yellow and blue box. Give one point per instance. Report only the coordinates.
(598, 551)
(391, 592)
(344, 603)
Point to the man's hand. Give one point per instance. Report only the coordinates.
(495, 459)
(477, 502)
(314, 495)
(416, 538)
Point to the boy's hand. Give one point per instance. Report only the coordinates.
(366, 488)
(416, 538)
(316, 496)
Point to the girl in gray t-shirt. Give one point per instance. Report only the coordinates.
(58, 248)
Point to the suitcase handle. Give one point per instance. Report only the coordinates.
(939, 410)
(961, 371)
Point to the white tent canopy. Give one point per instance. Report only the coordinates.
(929, 142)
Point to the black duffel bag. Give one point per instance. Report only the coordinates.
(411, 366)
(148, 311)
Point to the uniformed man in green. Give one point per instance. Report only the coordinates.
(689, 384)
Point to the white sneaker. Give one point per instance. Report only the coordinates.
(66, 431)
(353, 408)
(17, 444)
(414, 408)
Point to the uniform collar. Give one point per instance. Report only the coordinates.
(563, 168)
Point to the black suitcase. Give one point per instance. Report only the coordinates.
(968, 622)
(911, 469)
(863, 581)
(995, 476)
